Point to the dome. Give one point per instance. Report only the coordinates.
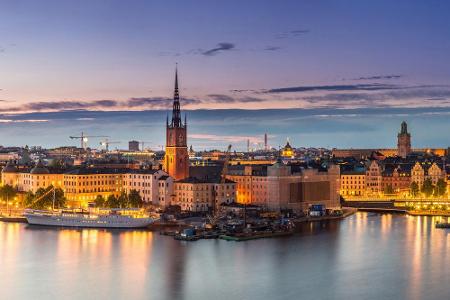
(10, 168)
(39, 169)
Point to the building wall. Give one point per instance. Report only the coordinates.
(199, 196)
(353, 184)
(280, 189)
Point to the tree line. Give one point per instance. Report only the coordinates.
(43, 198)
(428, 188)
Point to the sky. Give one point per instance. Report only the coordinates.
(321, 73)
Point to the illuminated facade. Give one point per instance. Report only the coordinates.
(353, 184)
(192, 194)
(83, 185)
(176, 161)
(280, 186)
(403, 141)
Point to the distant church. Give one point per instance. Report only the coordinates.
(176, 160)
(403, 141)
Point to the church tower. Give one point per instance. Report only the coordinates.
(403, 141)
(176, 160)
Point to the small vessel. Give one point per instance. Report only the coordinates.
(114, 218)
(442, 225)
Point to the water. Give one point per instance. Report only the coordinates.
(366, 256)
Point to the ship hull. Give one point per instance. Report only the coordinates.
(83, 222)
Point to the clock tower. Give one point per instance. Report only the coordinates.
(176, 160)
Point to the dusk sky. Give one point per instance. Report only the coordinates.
(323, 73)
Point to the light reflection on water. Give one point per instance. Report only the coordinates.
(366, 256)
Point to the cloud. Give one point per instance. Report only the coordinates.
(220, 47)
(348, 87)
(272, 48)
(421, 96)
(220, 98)
(291, 33)
(22, 121)
(226, 138)
(377, 77)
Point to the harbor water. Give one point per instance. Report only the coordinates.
(365, 256)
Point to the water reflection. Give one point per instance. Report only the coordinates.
(367, 256)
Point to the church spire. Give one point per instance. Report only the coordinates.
(176, 115)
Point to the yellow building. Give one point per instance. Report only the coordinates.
(288, 151)
(353, 184)
(192, 194)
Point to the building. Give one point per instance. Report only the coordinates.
(353, 183)
(133, 146)
(403, 141)
(374, 187)
(288, 151)
(146, 182)
(165, 191)
(176, 160)
(83, 185)
(201, 195)
(281, 186)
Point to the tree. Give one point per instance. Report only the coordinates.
(389, 190)
(43, 198)
(7, 192)
(123, 200)
(440, 188)
(414, 189)
(100, 201)
(134, 199)
(112, 202)
(29, 199)
(427, 187)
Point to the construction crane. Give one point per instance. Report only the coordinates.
(151, 146)
(107, 142)
(84, 139)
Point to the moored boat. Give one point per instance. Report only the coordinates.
(99, 219)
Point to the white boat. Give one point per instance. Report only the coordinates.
(112, 219)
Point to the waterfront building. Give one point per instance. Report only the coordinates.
(281, 186)
(395, 180)
(176, 161)
(165, 191)
(201, 195)
(83, 185)
(353, 183)
(374, 179)
(146, 182)
(403, 141)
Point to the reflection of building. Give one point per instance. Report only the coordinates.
(403, 141)
(133, 146)
(280, 186)
(176, 161)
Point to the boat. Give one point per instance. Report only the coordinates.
(100, 219)
(442, 225)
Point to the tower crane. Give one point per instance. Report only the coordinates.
(107, 142)
(84, 139)
(152, 146)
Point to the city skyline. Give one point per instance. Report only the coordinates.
(309, 75)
